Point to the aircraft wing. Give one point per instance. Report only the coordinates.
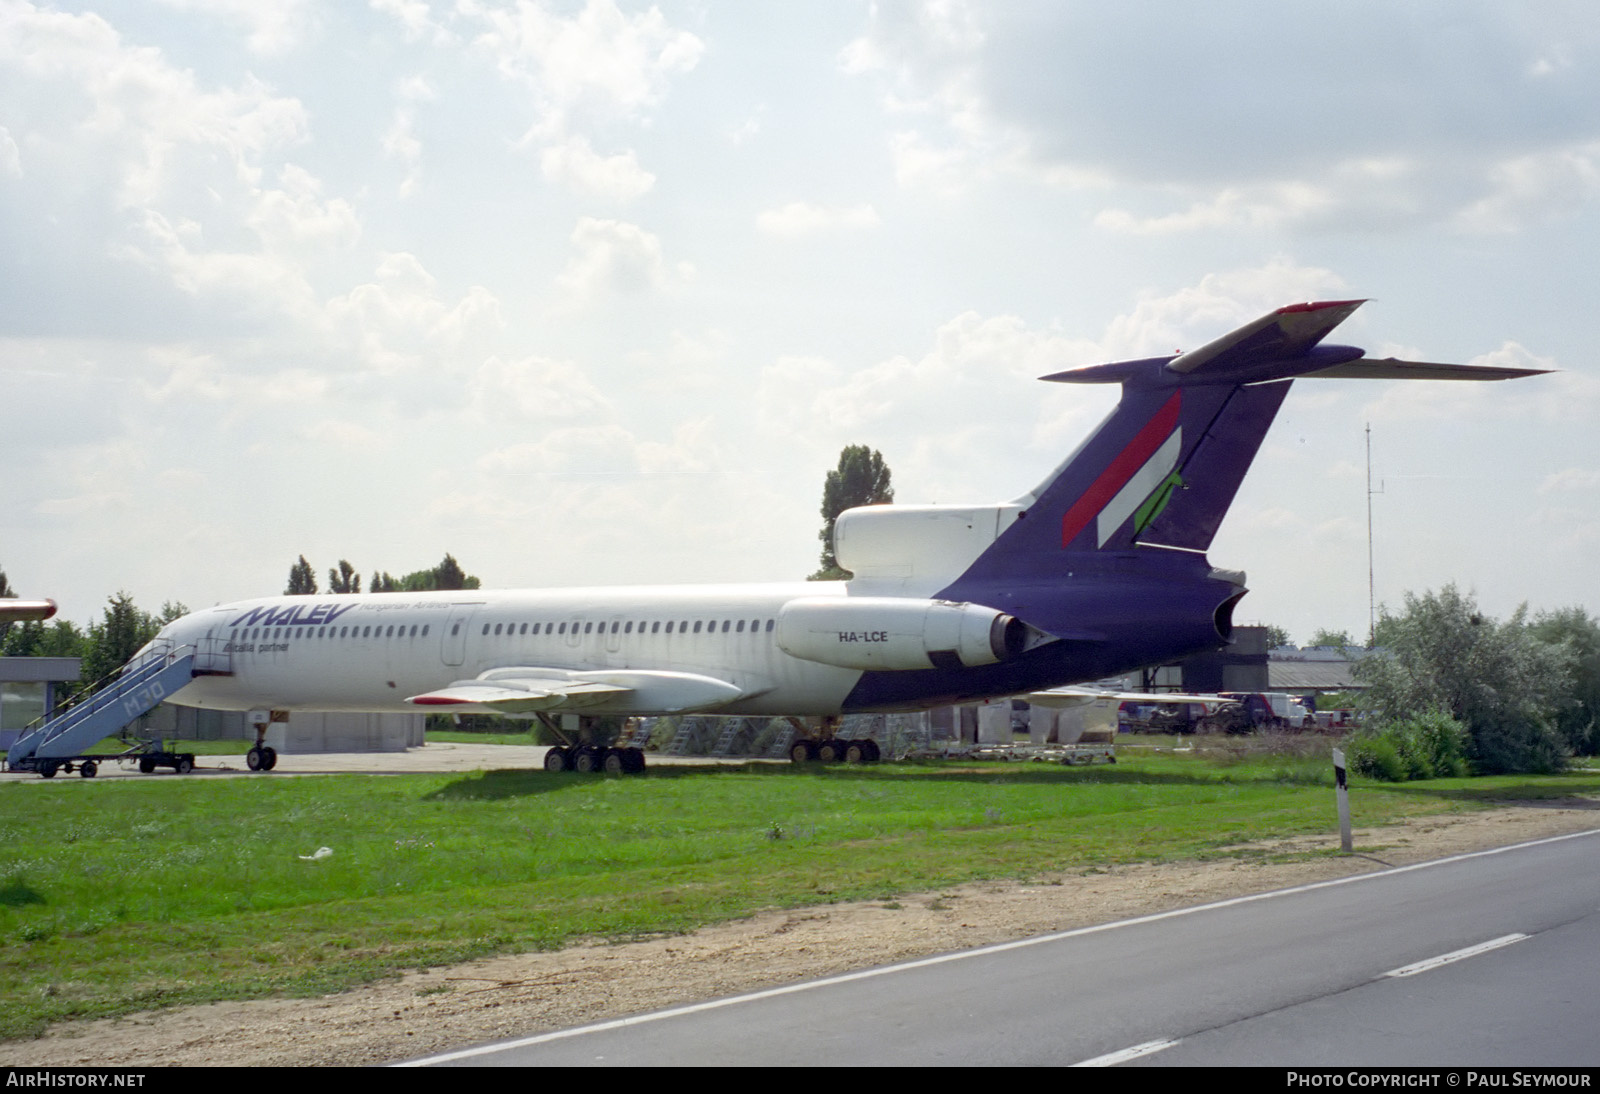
(536, 690)
(1076, 696)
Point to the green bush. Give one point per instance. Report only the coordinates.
(1375, 756)
(1425, 746)
(1517, 745)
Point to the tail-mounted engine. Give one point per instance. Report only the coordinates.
(866, 632)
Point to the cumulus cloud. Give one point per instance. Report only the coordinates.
(613, 256)
(535, 392)
(596, 67)
(801, 218)
(416, 20)
(911, 404)
(598, 63)
(400, 320)
(1475, 118)
(400, 142)
(271, 28)
(574, 163)
(1540, 186)
(152, 119)
(136, 159)
(10, 157)
(1570, 479)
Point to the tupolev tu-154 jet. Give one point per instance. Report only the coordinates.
(1099, 570)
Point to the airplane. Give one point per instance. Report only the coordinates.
(1098, 571)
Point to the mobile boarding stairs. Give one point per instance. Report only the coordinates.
(57, 743)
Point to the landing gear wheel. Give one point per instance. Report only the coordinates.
(252, 759)
(585, 761)
(47, 769)
(855, 753)
(831, 751)
(185, 764)
(269, 758)
(88, 768)
(874, 753)
(557, 760)
(803, 752)
(613, 762)
(633, 760)
(147, 766)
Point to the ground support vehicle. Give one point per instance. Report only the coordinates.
(148, 756)
(1066, 755)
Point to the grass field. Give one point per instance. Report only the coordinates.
(121, 895)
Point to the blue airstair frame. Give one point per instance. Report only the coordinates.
(137, 691)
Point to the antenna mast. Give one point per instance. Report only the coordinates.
(1372, 598)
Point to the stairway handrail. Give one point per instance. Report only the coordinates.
(107, 690)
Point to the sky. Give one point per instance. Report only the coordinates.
(593, 293)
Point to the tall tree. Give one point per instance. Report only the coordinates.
(1326, 637)
(862, 478)
(117, 637)
(1578, 719)
(57, 638)
(449, 574)
(302, 579)
(1497, 679)
(6, 593)
(344, 579)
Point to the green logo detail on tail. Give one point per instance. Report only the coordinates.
(1146, 514)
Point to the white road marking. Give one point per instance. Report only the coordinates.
(1456, 955)
(1112, 1059)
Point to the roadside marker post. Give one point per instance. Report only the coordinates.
(1342, 793)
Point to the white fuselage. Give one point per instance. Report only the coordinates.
(370, 652)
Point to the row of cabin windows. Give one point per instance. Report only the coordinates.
(380, 631)
(735, 626)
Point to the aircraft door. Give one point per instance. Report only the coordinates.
(456, 628)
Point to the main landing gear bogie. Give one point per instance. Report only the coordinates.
(586, 759)
(833, 750)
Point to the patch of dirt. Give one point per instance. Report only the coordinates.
(504, 997)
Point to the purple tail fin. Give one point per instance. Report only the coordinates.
(1163, 468)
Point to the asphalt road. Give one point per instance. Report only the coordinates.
(1296, 977)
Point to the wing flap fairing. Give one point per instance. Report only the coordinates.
(538, 690)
